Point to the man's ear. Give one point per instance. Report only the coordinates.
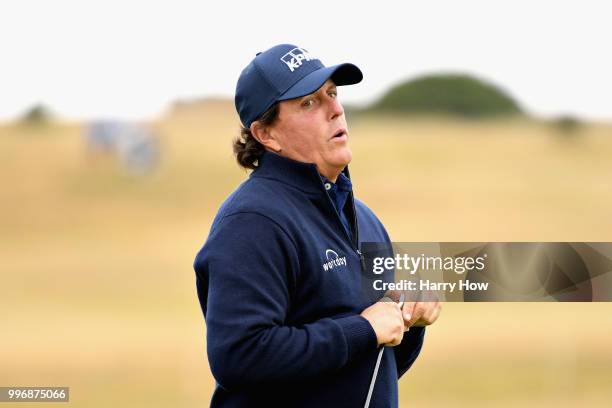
(265, 136)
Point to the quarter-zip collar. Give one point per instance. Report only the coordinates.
(339, 192)
(303, 176)
(306, 177)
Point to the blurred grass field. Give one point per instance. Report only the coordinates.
(97, 288)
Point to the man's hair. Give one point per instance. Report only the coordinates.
(247, 149)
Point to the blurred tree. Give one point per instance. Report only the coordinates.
(37, 114)
(454, 94)
(567, 124)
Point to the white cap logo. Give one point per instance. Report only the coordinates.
(295, 57)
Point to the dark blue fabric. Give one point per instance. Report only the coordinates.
(339, 193)
(279, 285)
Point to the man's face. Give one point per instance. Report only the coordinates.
(313, 129)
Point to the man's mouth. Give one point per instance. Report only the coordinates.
(339, 133)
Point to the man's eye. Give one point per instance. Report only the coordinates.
(307, 103)
(333, 94)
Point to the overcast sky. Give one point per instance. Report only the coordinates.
(130, 59)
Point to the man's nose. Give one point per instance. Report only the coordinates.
(335, 108)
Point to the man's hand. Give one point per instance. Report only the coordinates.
(420, 314)
(385, 316)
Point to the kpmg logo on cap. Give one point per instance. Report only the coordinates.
(295, 58)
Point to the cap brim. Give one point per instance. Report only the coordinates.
(342, 74)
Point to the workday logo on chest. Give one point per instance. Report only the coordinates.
(296, 57)
(333, 260)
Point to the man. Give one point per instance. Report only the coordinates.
(279, 278)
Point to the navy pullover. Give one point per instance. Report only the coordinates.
(339, 193)
(279, 283)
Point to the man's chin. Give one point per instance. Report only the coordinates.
(342, 159)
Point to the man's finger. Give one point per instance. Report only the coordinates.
(417, 312)
(407, 310)
(430, 314)
(435, 313)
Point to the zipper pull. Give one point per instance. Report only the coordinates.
(361, 260)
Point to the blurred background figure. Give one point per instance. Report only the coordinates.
(135, 145)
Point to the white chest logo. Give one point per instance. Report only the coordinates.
(295, 57)
(333, 260)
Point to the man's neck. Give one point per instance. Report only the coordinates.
(330, 173)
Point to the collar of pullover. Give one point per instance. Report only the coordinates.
(338, 191)
(303, 176)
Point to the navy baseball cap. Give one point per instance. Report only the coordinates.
(284, 72)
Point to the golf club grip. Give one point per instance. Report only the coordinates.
(380, 353)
